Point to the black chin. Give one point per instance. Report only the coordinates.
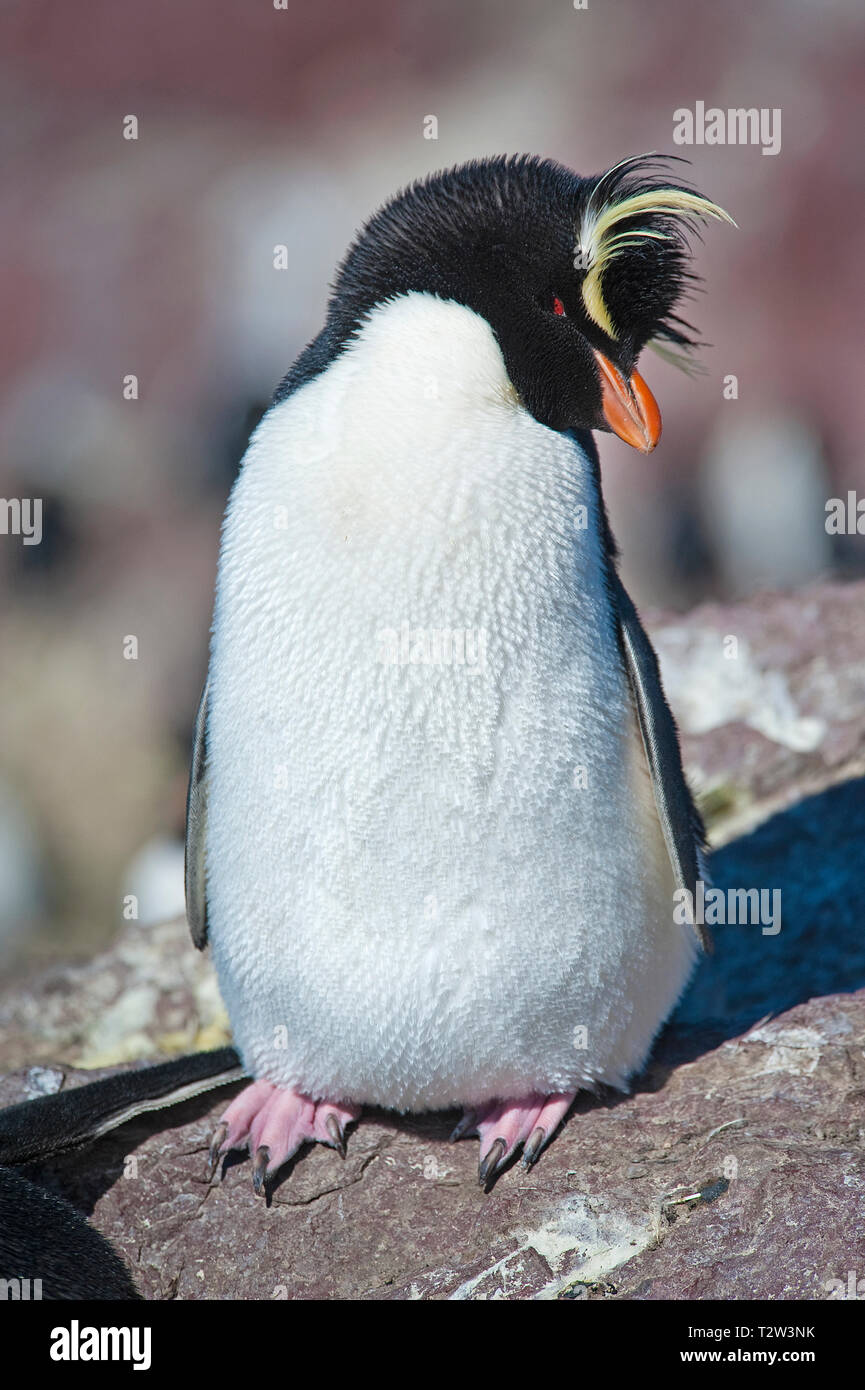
(554, 371)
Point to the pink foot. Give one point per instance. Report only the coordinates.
(503, 1125)
(273, 1124)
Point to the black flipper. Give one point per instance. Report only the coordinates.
(40, 1128)
(196, 829)
(679, 817)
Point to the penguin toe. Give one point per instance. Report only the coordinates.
(490, 1162)
(331, 1122)
(553, 1111)
(232, 1132)
(279, 1129)
(506, 1125)
(217, 1141)
(273, 1123)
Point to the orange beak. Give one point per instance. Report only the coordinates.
(630, 409)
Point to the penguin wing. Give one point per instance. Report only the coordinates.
(196, 828)
(679, 817)
(38, 1129)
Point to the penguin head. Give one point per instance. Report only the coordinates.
(574, 276)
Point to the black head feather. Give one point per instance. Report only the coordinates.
(507, 237)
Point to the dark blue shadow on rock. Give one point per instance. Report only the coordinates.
(815, 854)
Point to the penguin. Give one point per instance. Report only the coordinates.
(437, 815)
(438, 823)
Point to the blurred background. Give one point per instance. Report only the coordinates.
(153, 257)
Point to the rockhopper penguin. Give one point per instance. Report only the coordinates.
(437, 815)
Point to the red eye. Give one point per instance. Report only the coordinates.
(558, 306)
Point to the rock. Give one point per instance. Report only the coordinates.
(733, 1170)
(769, 696)
(150, 995)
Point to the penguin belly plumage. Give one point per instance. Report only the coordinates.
(438, 819)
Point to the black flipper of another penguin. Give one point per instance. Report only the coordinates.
(37, 1129)
(41, 1235)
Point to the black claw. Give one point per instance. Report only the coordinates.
(464, 1127)
(533, 1145)
(259, 1169)
(491, 1160)
(216, 1142)
(337, 1133)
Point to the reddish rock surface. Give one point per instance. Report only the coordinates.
(736, 1174)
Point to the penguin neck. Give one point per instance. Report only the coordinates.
(428, 432)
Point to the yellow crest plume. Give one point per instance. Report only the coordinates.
(600, 243)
